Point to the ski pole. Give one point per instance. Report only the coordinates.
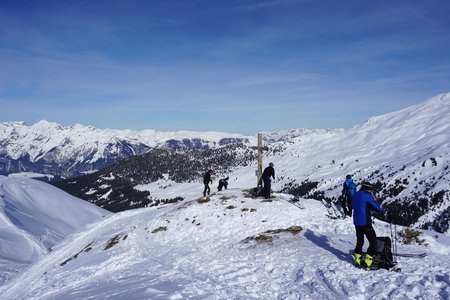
(395, 242)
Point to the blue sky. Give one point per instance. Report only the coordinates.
(235, 66)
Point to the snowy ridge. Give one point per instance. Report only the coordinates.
(297, 134)
(40, 138)
(34, 216)
(228, 246)
(47, 147)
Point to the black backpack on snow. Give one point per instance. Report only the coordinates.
(384, 258)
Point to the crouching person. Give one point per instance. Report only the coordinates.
(223, 183)
(363, 204)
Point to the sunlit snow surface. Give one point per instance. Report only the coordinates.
(194, 250)
(34, 216)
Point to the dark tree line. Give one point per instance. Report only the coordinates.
(113, 188)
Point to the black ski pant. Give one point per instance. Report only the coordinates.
(350, 205)
(206, 189)
(344, 207)
(369, 232)
(347, 206)
(267, 187)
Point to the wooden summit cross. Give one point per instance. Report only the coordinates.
(260, 149)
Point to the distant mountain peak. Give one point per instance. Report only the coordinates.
(50, 148)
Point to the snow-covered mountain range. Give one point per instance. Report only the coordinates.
(405, 154)
(66, 151)
(34, 216)
(229, 246)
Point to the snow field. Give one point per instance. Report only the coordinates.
(34, 216)
(208, 250)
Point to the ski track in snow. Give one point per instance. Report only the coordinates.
(197, 251)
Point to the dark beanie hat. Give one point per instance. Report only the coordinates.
(348, 176)
(366, 185)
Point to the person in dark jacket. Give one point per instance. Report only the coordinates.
(206, 181)
(223, 183)
(268, 172)
(348, 191)
(363, 204)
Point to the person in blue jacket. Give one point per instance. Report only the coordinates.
(348, 191)
(363, 204)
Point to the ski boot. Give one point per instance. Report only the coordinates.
(359, 263)
(370, 262)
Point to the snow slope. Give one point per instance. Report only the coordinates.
(34, 216)
(231, 247)
(407, 152)
(408, 136)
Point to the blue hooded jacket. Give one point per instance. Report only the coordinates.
(351, 186)
(349, 189)
(363, 203)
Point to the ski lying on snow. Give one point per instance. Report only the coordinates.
(332, 211)
(393, 269)
(420, 255)
(297, 204)
(332, 217)
(294, 201)
(371, 269)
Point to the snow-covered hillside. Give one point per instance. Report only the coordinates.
(406, 154)
(230, 247)
(407, 137)
(34, 216)
(50, 148)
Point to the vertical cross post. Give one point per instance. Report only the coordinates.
(260, 149)
(259, 157)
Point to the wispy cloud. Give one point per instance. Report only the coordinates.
(292, 62)
(259, 5)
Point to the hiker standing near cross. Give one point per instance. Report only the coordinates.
(263, 177)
